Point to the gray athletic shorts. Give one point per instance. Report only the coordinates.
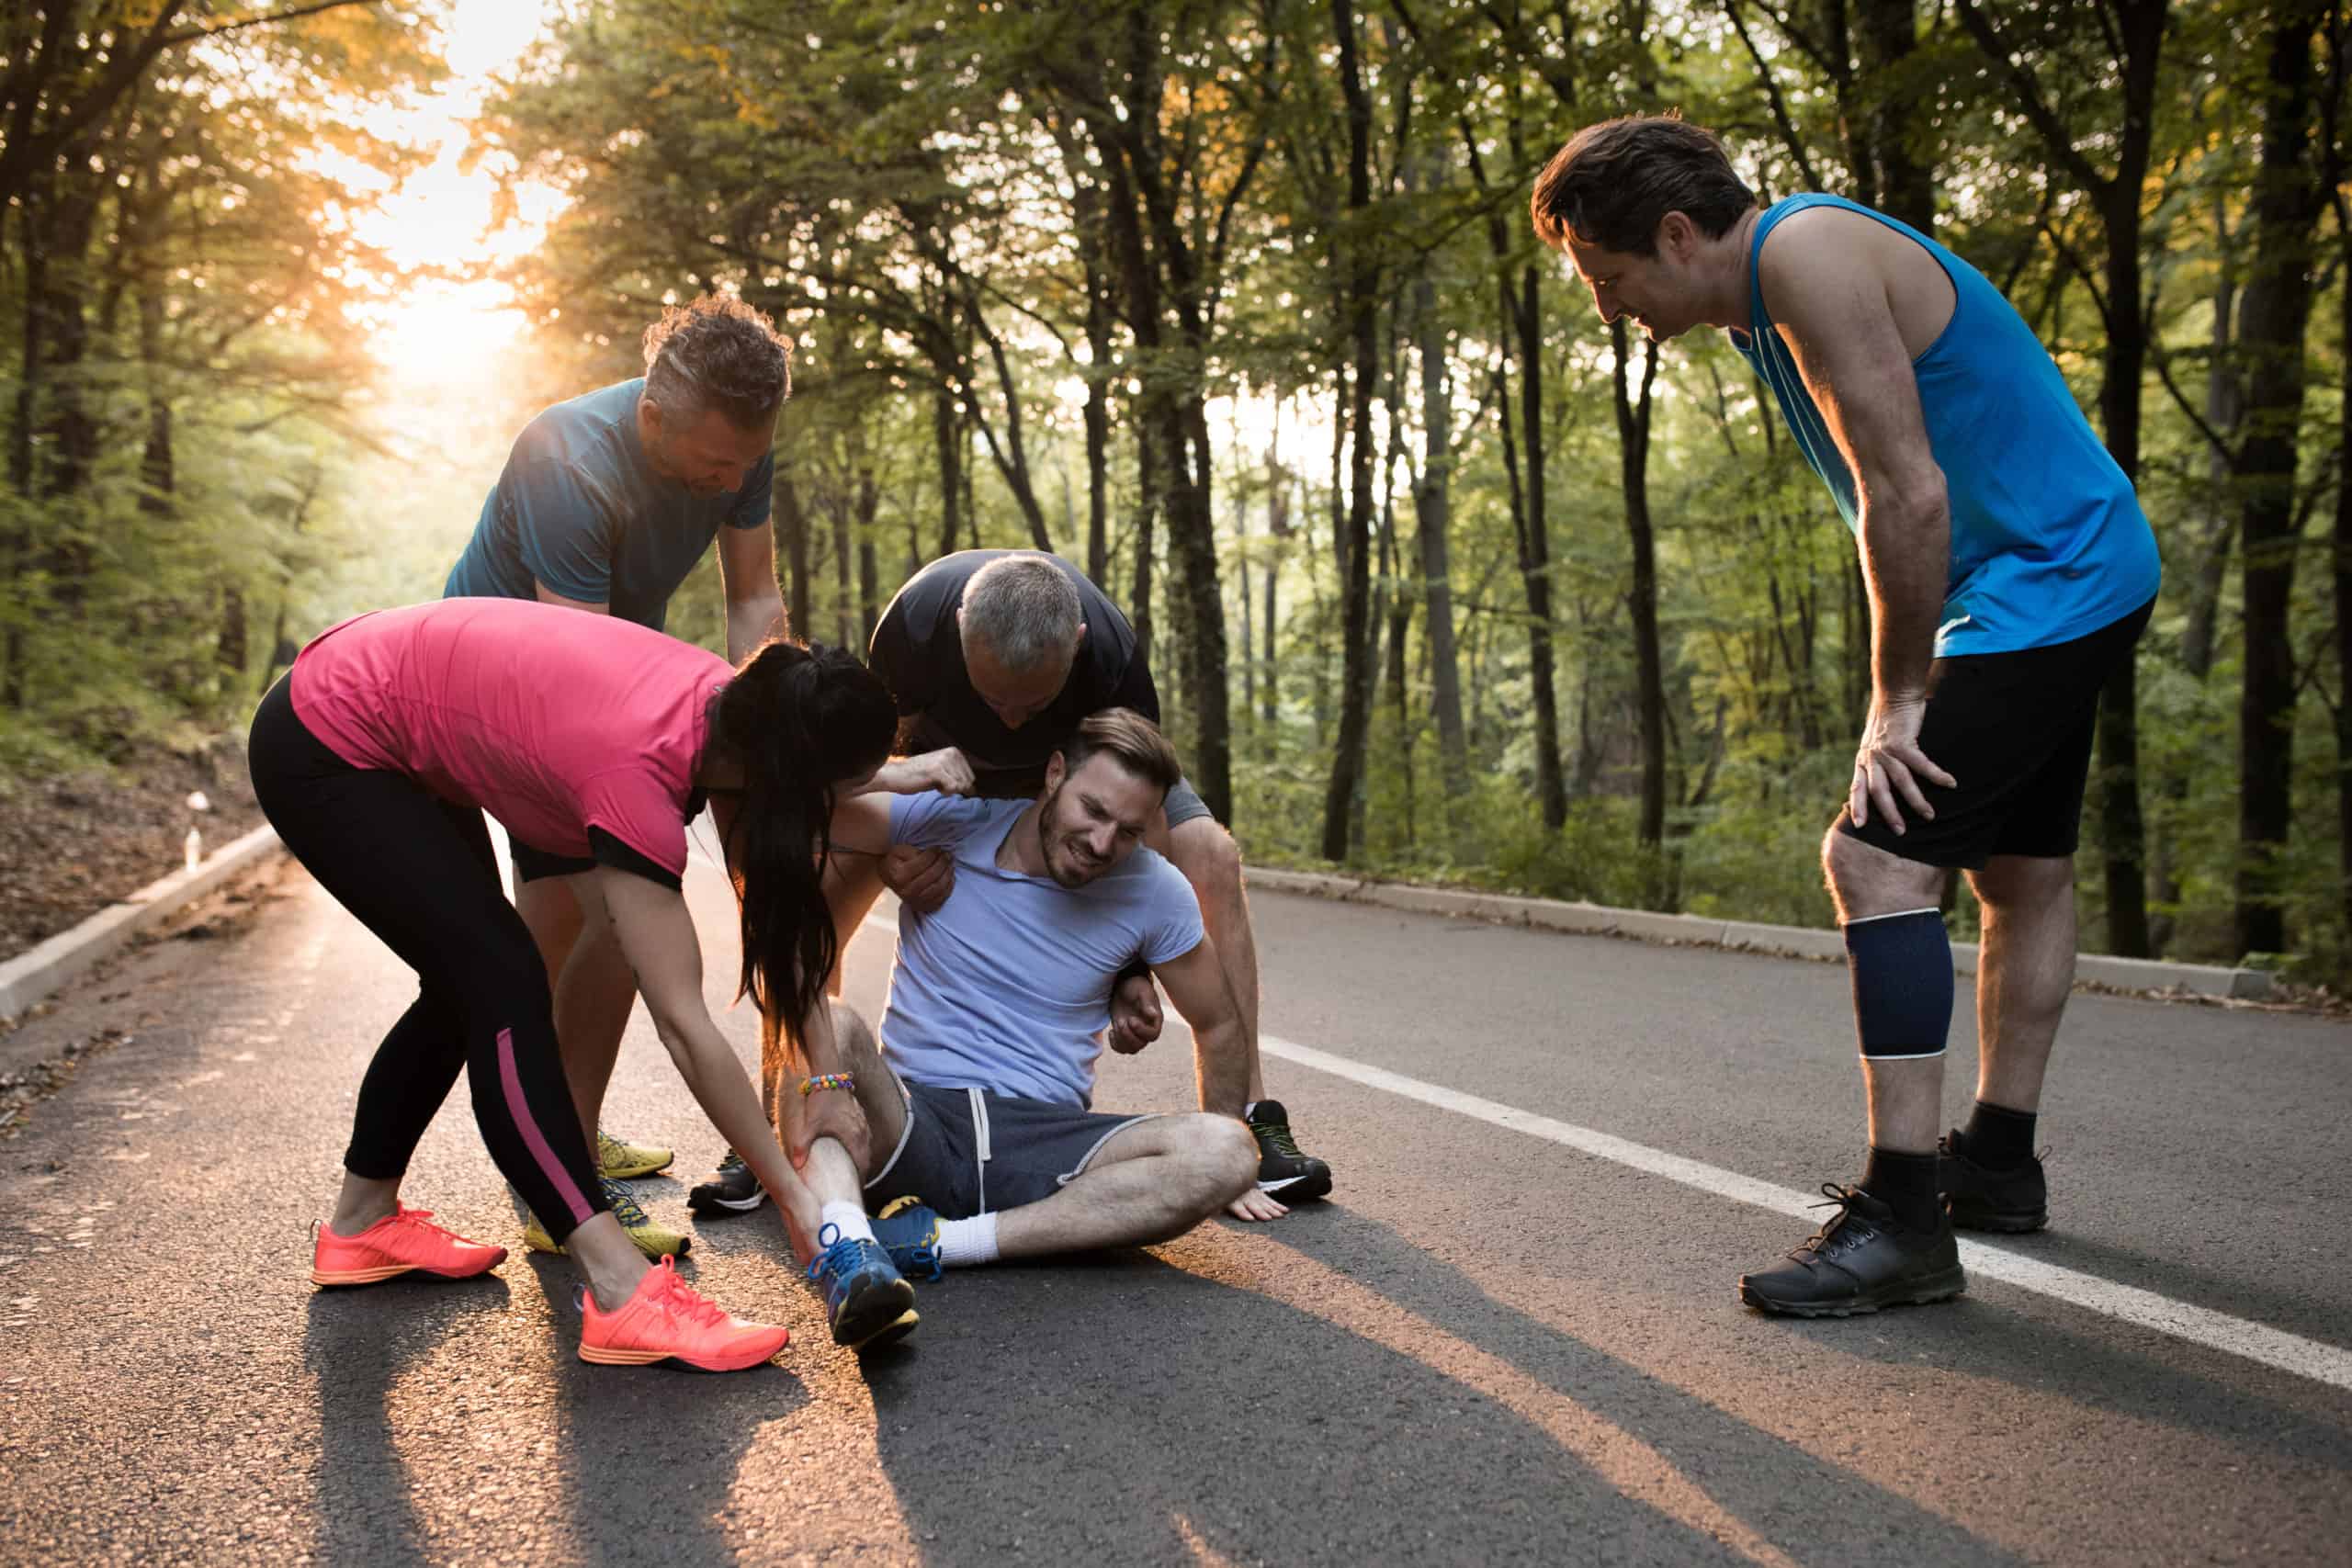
(966, 1151)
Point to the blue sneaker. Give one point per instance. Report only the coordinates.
(867, 1302)
(909, 1231)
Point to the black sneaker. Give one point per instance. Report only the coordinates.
(1284, 1173)
(734, 1190)
(1862, 1260)
(1983, 1199)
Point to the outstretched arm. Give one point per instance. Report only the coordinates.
(657, 934)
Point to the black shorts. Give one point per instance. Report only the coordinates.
(531, 866)
(2015, 730)
(968, 1151)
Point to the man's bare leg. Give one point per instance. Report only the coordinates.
(867, 1302)
(1150, 1182)
(2025, 971)
(1891, 1243)
(592, 987)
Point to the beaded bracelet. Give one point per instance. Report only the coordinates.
(826, 1080)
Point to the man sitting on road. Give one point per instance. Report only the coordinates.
(976, 1100)
(994, 657)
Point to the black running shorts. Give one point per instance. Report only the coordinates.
(2014, 730)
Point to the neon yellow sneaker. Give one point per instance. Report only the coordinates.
(656, 1242)
(620, 1161)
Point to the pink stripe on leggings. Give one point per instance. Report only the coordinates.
(549, 1167)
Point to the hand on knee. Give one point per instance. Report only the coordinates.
(1228, 1160)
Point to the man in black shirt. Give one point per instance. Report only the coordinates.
(995, 657)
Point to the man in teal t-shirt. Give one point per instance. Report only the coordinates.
(2010, 573)
(605, 503)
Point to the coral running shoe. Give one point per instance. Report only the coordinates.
(401, 1242)
(668, 1320)
(620, 1160)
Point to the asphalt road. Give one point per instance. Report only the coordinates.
(1488, 1348)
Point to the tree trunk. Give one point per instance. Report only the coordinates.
(1535, 552)
(1433, 510)
(1888, 34)
(2210, 569)
(2344, 576)
(1191, 539)
(845, 597)
(1146, 515)
(1277, 511)
(948, 435)
(1355, 678)
(792, 521)
(1098, 431)
(2287, 197)
(869, 587)
(1634, 454)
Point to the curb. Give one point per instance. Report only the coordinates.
(38, 972)
(1743, 936)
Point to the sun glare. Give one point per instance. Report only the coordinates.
(438, 332)
(444, 215)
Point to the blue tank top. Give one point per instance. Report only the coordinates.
(2048, 542)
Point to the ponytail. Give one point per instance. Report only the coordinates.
(798, 718)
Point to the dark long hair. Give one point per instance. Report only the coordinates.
(797, 719)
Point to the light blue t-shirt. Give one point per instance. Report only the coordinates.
(580, 508)
(1008, 986)
(2048, 542)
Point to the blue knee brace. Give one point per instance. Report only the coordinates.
(1901, 969)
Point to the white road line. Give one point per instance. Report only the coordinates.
(2238, 1336)
(2197, 1326)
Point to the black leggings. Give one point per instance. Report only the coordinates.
(419, 871)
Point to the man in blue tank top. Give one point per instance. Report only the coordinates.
(606, 502)
(2010, 571)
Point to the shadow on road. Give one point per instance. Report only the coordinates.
(358, 1344)
(1280, 1412)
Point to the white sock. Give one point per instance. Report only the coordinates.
(963, 1243)
(850, 1217)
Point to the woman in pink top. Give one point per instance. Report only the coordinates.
(587, 737)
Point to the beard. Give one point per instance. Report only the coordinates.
(1067, 861)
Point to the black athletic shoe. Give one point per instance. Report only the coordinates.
(1986, 1200)
(1862, 1260)
(1284, 1173)
(734, 1190)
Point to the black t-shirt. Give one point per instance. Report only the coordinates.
(919, 653)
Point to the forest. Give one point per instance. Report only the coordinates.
(1235, 303)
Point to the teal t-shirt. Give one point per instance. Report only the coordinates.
(579, 509)
(2048, 541)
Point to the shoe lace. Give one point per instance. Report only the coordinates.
(681, 1301)
(731, 1163)
(1838, 1198)
(1276, 1135)
(840, 1253)
(625, 1206)
(607, 1145)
